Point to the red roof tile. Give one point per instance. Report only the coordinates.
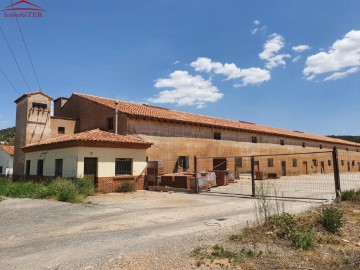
(92, 136)
(162, 113)
(8, 149)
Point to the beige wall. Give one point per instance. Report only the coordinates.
(68, 124)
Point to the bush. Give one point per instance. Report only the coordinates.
(126, 187)
(283, 224)
(85, 186)
(347, 195)
(332, 219)
(304, 238)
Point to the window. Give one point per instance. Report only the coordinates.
(58, 167)
(110, 123)
(314, 162)
(270, 162)
(123, 166)
(294, 162)
(219, 164)
(321, 146)
(342, 163)
(0, 169)
(40, 167)
(254, 139)
(329, 163)
(238, 162)
(27, 171)
(282, 142)
(61, 130)
(183, 162)
(347, 148)
(303, 144)
(353, 163)
(217, 135)
(39, 106)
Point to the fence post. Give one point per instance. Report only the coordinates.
(336, 173)
(253, 193)
(196, 177)
(156, 166)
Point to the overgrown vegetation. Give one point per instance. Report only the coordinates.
(350, 195)
(332, 219)
(65, 190)
(7, 136)
(126, 187)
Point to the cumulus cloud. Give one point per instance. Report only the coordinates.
(186, 90)
(301, 48)
(253, 75)
(341, 59)
(340, 75)
(271, 54)
(256, 22)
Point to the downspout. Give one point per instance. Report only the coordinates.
(116, 116)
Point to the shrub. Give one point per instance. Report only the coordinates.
(283, 224)
(85, 186)
(347, 195)
(304, 238)
(126, 187)
(65, 191)
(332, 219)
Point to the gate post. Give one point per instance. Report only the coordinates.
(253, 191)
(336, 172)
(196, 177)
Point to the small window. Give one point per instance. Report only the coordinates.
(219, 164)
(314, 162)
(27, 171)
(347, 148)
(238, 162)
(183, 162)
(110, 123)
(217, 135)
(254, 139)
(357, 150)
(61, 130)
(58, 167)
(353, 163)
(294, 162)
(282, 142)
(321, 147)
(270, 162)
(39, 106)
(123, 166)
(342, 163)
(303, 144)
(1, 168)
(329, 162)
(40, 167)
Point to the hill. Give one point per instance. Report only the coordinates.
(347, 138)
(7, 136)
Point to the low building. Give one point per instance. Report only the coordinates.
(6, 160)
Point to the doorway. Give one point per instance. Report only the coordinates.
(256, 166)
(90, 169)
(283, 168)
(304, 168)
(348, 165)
(322, 165)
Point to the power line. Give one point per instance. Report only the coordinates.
(27, 51)
(17, 64)
(10, 82)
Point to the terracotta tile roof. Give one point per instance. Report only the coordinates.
(31, 94)
(167, 114)
(92, 136)
(8, 149)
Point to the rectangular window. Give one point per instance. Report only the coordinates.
(342, 163)
(238, 162)
(27, 171)
(110, 123)
(183, 162)
(314, 162)
(219, 164)
(39, 106)
(270, 162)
(282, 142)
(329, 162)
(61, 130)
(123, 166)
(40, 167)
(1, 170)
(321, 147)
(58, 167)
(217, 135)
(303, 144)
(254, 139)
(294, 162)
(353, 163)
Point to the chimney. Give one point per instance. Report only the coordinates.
(116, 116)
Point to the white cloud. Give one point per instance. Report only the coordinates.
(256, 22)
(176, 62)
(343, 54)
(257, 27)
(253, 75)
(340, 75)
(297, 58)
(270, 53)
(301, 48)
(186, 90)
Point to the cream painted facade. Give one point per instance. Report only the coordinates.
(73, 160)
(6, 163)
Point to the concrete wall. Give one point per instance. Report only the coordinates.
(68, 124)
(6, 162)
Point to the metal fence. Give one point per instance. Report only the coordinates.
(313, 175)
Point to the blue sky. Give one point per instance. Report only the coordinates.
(287, 64)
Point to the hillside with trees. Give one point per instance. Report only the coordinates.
(7, 136)
(355, 139)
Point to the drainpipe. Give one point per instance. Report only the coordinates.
(116, 116)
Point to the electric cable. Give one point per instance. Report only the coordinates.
(10, 82)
